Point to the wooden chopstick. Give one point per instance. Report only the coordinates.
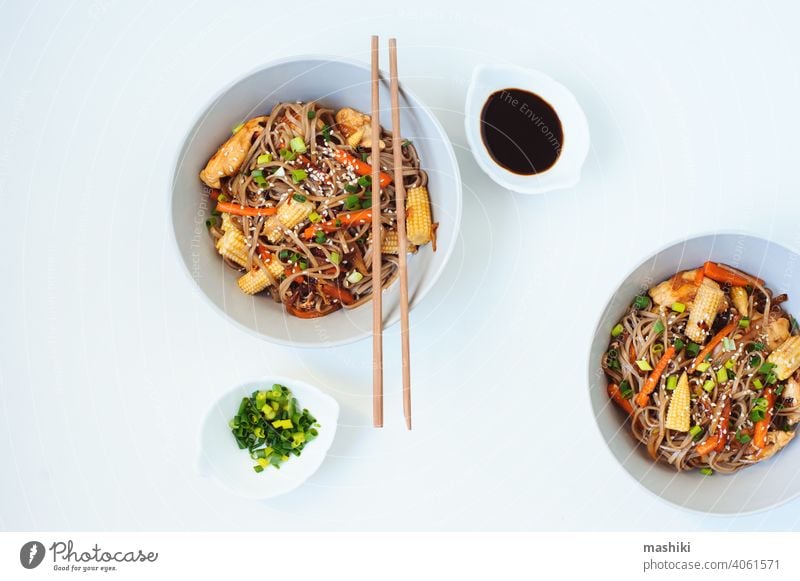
(377, 289)
(402, 239)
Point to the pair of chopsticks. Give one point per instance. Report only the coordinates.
(377, 266)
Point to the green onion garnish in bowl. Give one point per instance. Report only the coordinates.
(264, 438)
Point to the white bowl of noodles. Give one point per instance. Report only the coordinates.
(754, 487)
(330, 83)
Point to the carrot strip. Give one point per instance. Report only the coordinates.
(615, 394)
(719, 273)
(723, 427)
(715, 340)
(650, 385)
(362, 168)
(343, 220)
(239, 210)
(300, 314)
(717, 440)
(761, 427)
(334, 291)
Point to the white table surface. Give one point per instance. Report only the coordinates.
(109, 358)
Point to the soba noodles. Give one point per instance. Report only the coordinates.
(722, 332)
(296, 185)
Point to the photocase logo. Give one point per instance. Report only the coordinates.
(31, 554)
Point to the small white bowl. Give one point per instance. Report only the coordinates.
(221, 458)
(566, 171)
(754, 488)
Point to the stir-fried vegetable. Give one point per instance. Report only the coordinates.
(238, 210)
(360, 167)
(715, 340)
(721, 274)
(271, 426)
(765, 408)
(616, 395)
(650, 385)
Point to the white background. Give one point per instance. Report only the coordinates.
(109, 358)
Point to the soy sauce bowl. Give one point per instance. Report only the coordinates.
(574, 147)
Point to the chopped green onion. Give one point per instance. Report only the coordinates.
(779, 390)
(795, 324)
(298, 175)
(314, 217)
(299, 198)
(257, 173)
(766, 367)
(283, 254)
(672, 382)
(364, 157)
(326, 132)
(287, 155)
(742, 438)
(644, 365)
(641, 302)
(617, 330)
(354, 277)
(757, 383)
(351, 188)
(302, 264)
(744, 322)
(678, 344)
(722, 375)
(625, 389)
(728, 344)
(692, 349)
(729, 364)
(658, 348)
(759, 410)
(696, 432)
(258, 468)
(678, 307)
(311, 114)
(212, 221)
(298, 145)
(352, 202)
(367, 202)
(759, 346)
(236, 128)
(223, 198)
(709, 385)
(706, 471)
(264, 158)
(335, 258)
(703, 367)
(658, 327)
(364, 181)
(320, 237)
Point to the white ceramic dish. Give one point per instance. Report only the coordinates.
(221, 458)
(566, 172)
(759, 487)
(335, 83)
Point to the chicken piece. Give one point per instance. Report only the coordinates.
(786, 358)
(775, 441)
(681, 288)
(792, 392)
(777, 333)
(740, 300)
(230, 156)
(356, 127)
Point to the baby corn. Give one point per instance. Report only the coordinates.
(679, 412)
(290, 214)
(786, 358)
(232, 246)
(253, 282)
(418, 216)
(703, 312)
(391, 245)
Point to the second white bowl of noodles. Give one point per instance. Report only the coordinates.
(754, 488)
(334, 83)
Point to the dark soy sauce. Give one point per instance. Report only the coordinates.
(521, 131)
